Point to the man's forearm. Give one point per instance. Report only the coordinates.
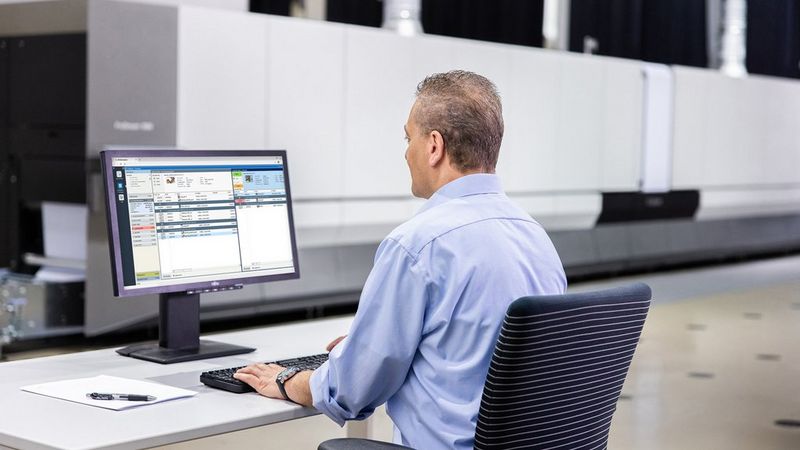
(298, 388)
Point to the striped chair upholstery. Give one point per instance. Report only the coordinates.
(556, 372)
(558, 368)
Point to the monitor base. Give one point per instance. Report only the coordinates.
(208, 349)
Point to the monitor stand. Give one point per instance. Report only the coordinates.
(179, 334)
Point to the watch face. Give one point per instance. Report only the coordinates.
(287, 373)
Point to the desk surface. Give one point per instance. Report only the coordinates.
(34, 421)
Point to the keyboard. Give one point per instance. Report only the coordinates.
(223, 378)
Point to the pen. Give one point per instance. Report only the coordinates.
(128, 397)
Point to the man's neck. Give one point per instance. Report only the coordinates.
(450, 175)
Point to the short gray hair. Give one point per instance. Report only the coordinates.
(466, 109)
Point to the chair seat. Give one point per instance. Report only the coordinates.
(358, 444)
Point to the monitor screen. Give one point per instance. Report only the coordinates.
(198, 221)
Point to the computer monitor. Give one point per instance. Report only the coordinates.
(182, 223)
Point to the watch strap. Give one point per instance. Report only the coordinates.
(284, 376)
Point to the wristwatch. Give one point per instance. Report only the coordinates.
(283, 377)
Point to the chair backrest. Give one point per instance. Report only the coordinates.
(558, 368)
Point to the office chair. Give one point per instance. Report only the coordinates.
(556, 372)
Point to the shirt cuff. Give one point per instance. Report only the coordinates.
(321, 396)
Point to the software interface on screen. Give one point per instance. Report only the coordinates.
(186, 220)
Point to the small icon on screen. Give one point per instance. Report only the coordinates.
(119, 174)
(119, 185)
(122, 197)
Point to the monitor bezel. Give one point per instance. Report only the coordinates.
(118, 282)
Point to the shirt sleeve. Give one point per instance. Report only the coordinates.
(370, 365)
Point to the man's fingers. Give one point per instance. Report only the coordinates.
(248, 378)
(335, 342)
(262, 370)
(252, 369)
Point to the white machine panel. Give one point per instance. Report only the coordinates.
(382, 71)
(527, 161)
(738, 141)
(579, 124)
(221, 79)
(622, 125)
(657, 117)
(236, 5)
(572, 123)
(376, 63)
(735, 132)
(305, 103)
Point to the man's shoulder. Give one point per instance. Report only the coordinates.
(423, 228)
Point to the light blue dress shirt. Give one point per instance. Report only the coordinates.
(430, 312)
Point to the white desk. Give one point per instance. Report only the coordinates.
(37, 422)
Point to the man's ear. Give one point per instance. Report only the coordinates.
(436, 151)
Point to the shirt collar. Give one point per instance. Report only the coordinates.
(475, 184)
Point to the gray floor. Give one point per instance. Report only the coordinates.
(718, 364)
(717, 370)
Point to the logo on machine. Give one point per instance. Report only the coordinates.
(124, 125)
(215, 283)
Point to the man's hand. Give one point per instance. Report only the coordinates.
(262, 378)
(334, 343)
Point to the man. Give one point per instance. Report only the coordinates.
(433, 304)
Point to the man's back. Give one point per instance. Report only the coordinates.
(432, 307)
(482, 253)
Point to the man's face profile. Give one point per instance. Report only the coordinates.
(415, 155)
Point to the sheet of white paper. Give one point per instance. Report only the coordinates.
(75, 391)
(64, 230)
(59, 274)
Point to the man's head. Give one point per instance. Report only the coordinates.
(454, 129)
